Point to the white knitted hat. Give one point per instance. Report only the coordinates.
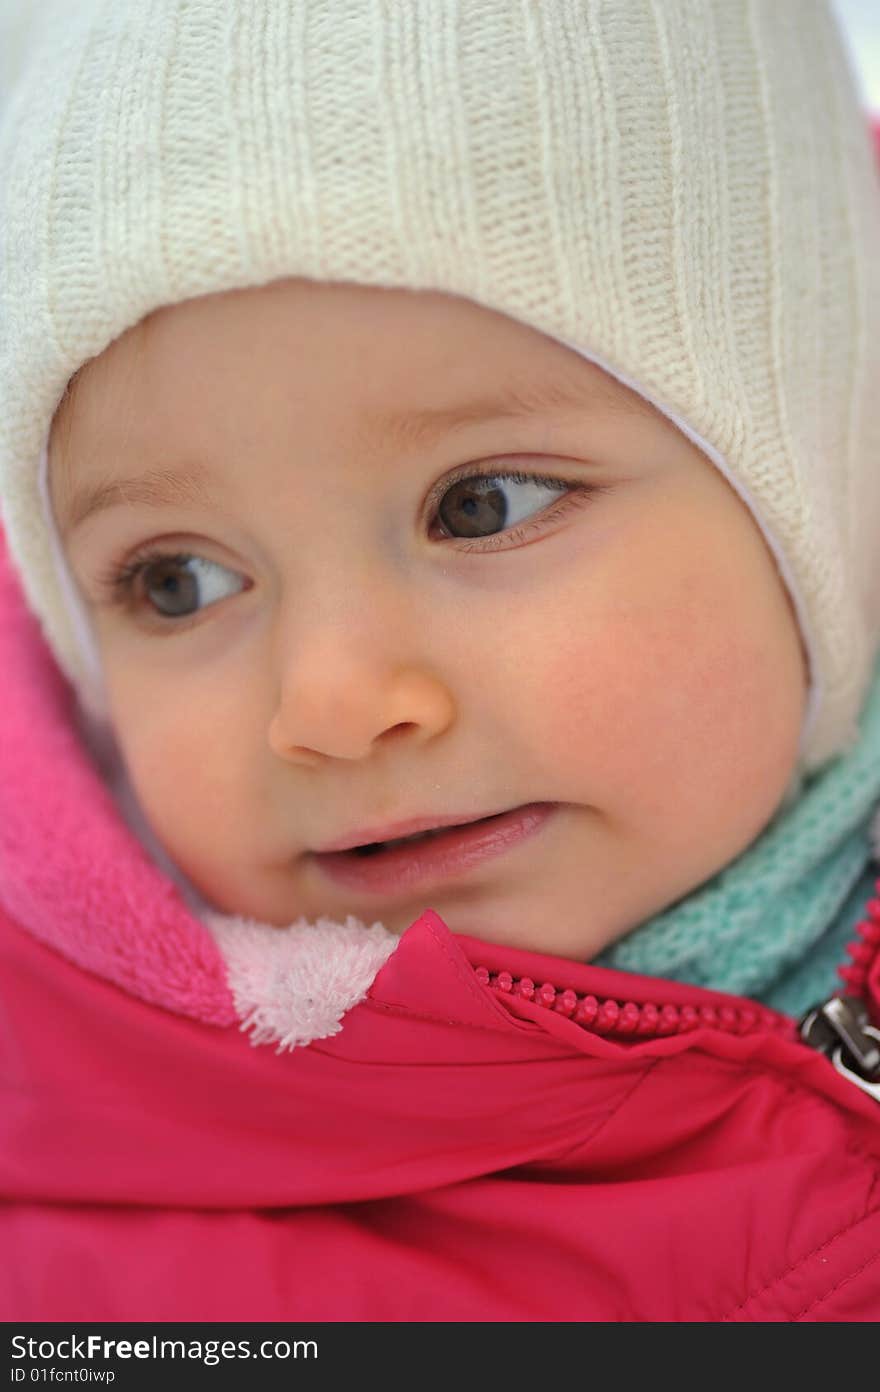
(683, 191)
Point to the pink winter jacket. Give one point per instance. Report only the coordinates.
(492, 1134)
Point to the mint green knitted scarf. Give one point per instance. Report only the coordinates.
(774, 923)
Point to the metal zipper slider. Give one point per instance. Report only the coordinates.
(841, 1029)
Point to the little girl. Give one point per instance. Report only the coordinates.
(440, 618)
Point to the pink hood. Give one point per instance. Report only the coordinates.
(464, 1146)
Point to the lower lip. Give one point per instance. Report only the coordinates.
(422, 862)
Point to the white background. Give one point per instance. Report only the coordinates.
(861, 24)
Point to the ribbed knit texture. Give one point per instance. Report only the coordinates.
(682, 190)
(775, 922)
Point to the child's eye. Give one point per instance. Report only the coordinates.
(483, 508)
(174, 586)
(484, 505)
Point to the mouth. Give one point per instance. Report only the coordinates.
(431, 855)
(392, 833)
(377, 847)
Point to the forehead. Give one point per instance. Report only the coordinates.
(364, 344)
(296, 359)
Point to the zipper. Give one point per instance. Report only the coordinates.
(840, 1027)
(629, 1020)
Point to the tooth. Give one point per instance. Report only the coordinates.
(417, 836)
(374, 847)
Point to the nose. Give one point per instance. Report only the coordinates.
(338, 700)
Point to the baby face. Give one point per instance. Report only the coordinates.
(326, 604)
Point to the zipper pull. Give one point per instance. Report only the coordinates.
(841, 1029)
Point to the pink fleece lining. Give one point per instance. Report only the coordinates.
(59, 826)
(88, 878)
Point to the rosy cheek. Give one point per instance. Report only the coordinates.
(169, 777)
(592, 701)
(651, 701)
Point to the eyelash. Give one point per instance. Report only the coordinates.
(117, 583)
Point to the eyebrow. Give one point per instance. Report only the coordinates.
(518, 402)
(160, 487)
(190, 483)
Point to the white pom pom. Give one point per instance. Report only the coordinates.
(292, 985)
